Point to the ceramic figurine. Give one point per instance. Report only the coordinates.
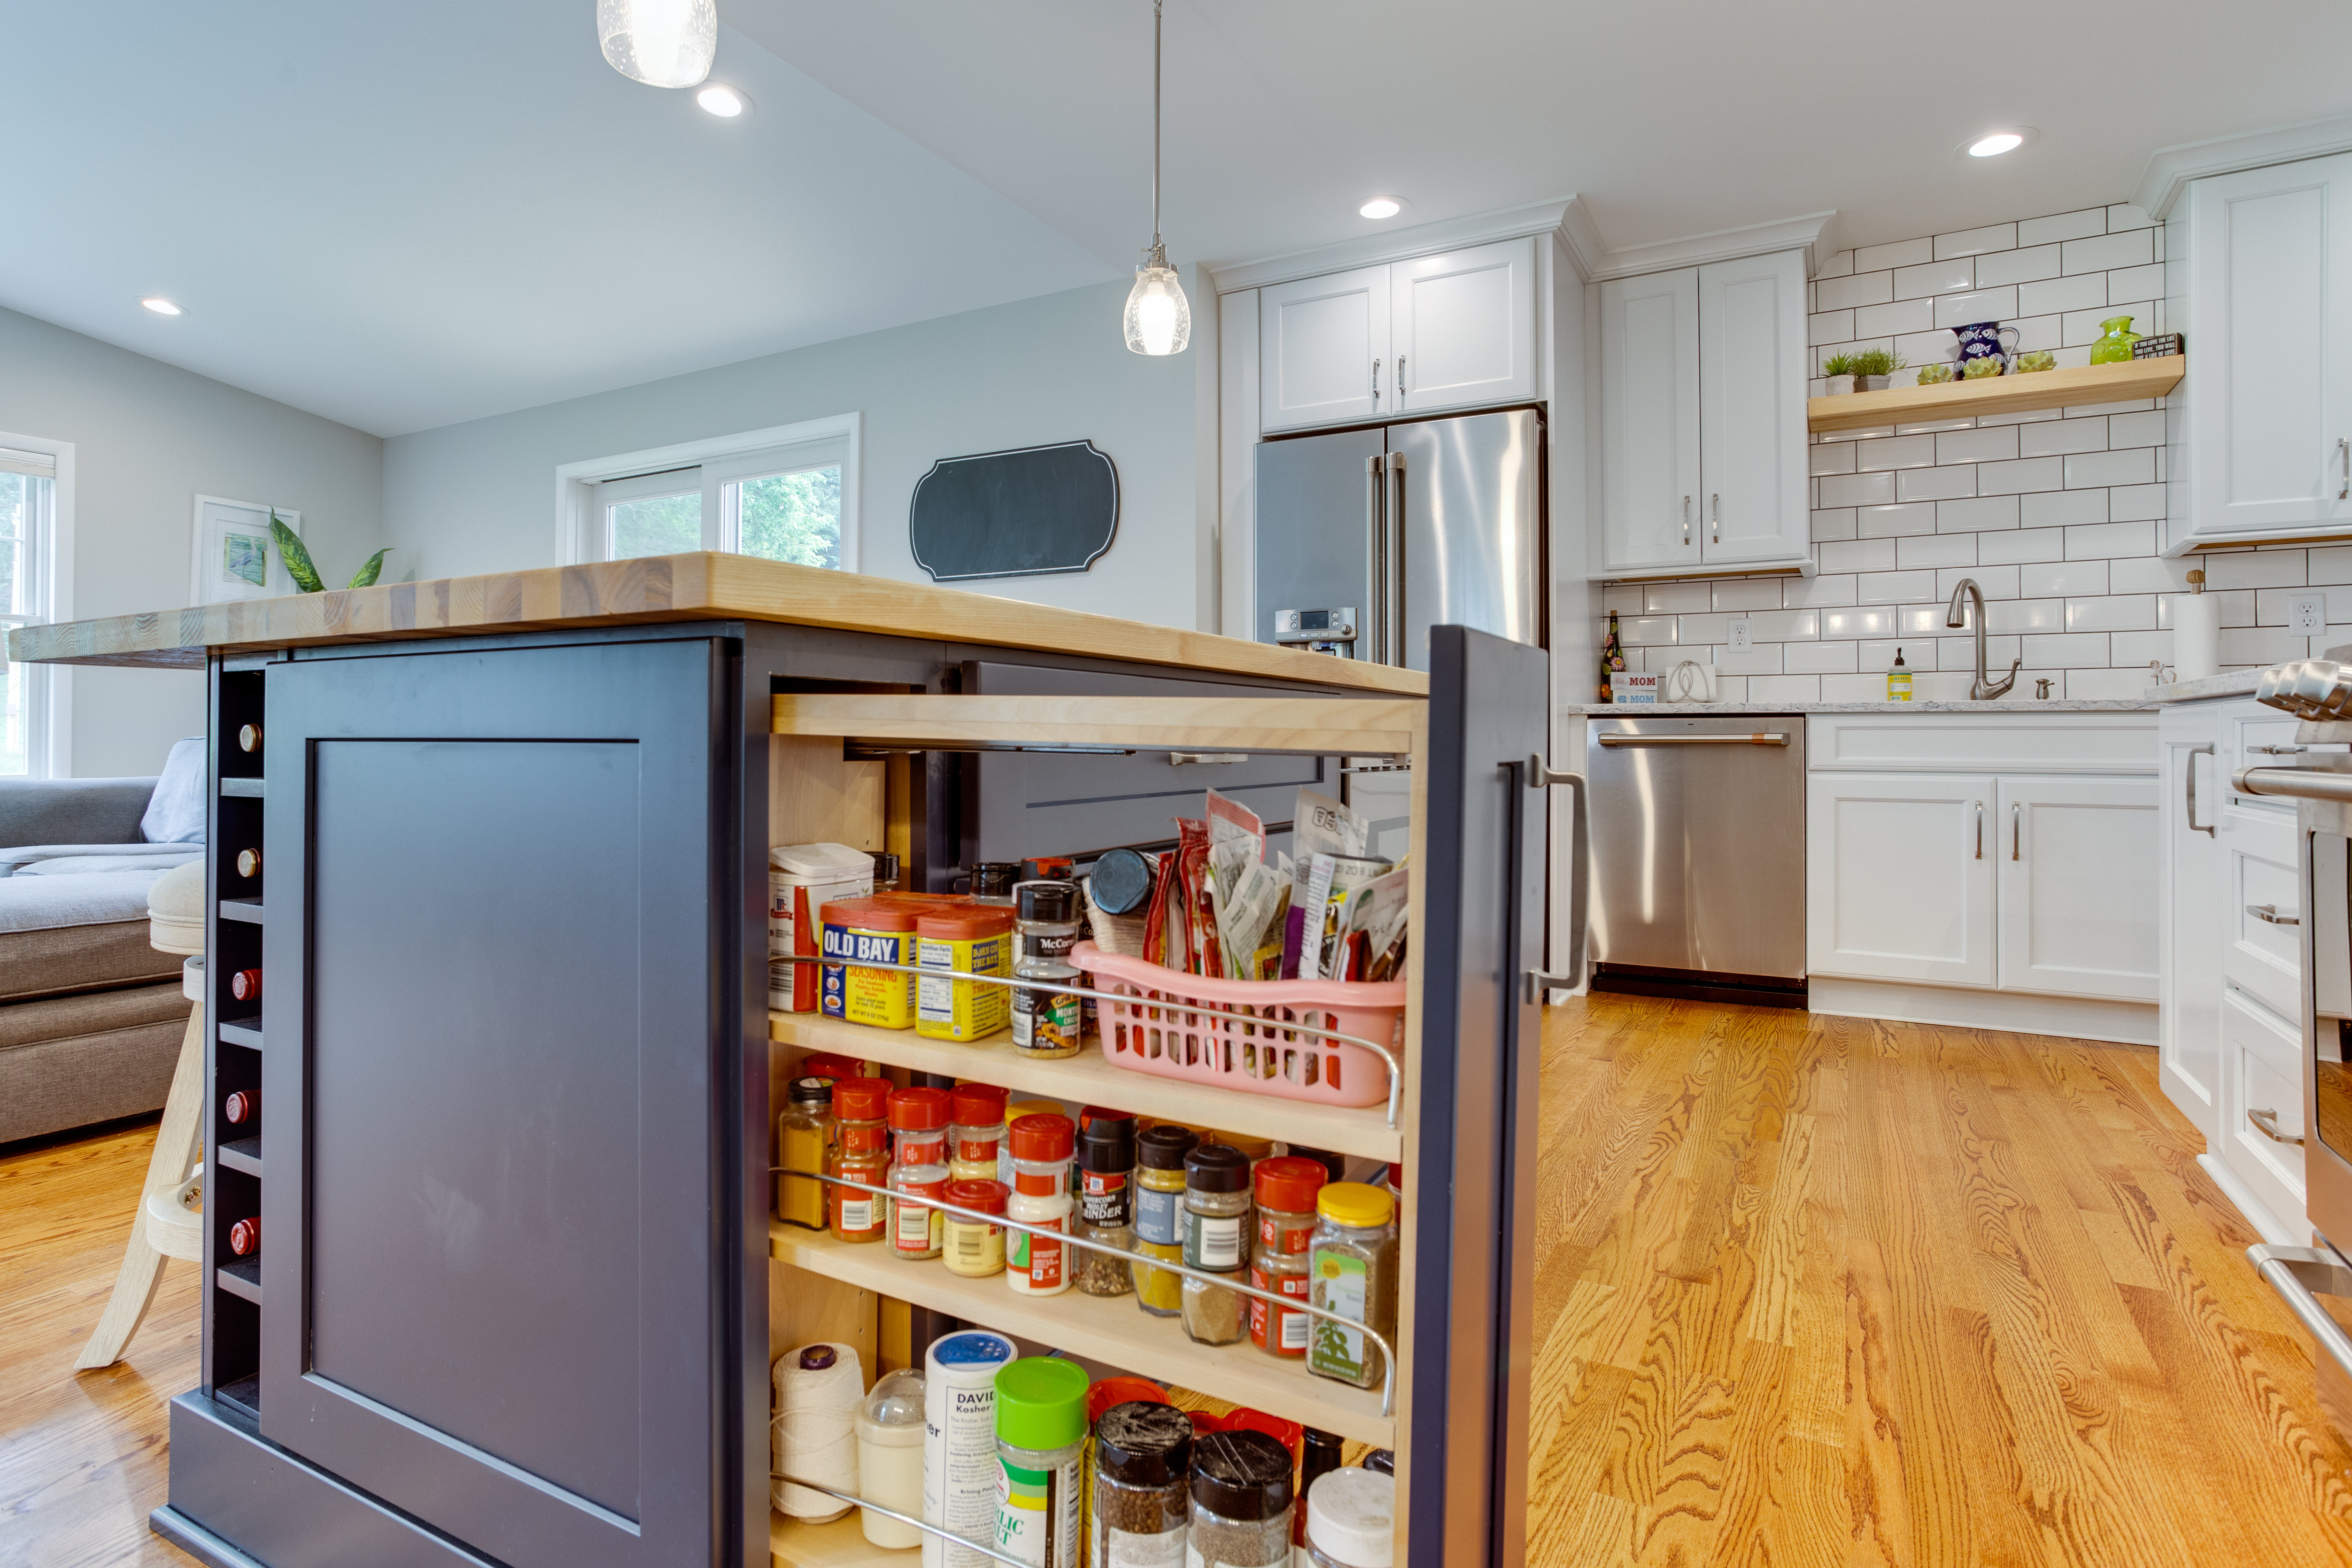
(2036, 359)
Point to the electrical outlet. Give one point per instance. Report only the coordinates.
(1743, 634)
(2306, 613)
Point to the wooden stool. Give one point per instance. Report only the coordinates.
(168, 1223)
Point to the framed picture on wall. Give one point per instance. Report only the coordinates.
(233, 556)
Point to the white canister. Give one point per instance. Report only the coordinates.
(802, 879)
(890, 1441)
(959, 1467)
(1351, 1519)
(2196, 636)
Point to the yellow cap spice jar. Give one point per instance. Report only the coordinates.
(1351, 1271)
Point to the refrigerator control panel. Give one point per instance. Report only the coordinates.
(1318, 631)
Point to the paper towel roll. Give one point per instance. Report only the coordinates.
(814, 1431)
(2196, 636)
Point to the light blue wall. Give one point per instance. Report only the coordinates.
(481, 497)
(148, 439)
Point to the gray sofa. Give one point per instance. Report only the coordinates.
(91, 1015)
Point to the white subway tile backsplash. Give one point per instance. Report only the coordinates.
(1901, 253)
(2056, 509)
(2013, 616)
(2123, 216)
(1861, 288)
(2260, 645)
(2124, 684)
(1818, 658)
(1895, 587)
(1996, 443)
(1937, 483)
(1936, 277)
(1857, 489)
(2023, 544)
(2127, 502)
(2097, 470)
(1857, 556)
(1831, 457)
(1859, 621)
(1889, 522)
(1993, 581)
(2253, 569)
(1981, 305)
(1835, 523)
(2067, 650)
(2110, 539)
(2063, 580)
(2081, 291)
(2018, 265)
(1976, 242)
(1895, 452)
(2136, 429)
(1829, 328)
(1974, 514)
(1902, 316)
(2330, 564)
(1678, 599)
(1841, 263)
(1829, 588)
(2150, 574)
(2136, 247)
(2062, 225)
(1748, 593)
(2236, 606)
(1857, 688)
(1643, 631)
(2137, 282)
(2112, 613)
(1784, 688)
(2054, 437)
(1936, 549)
(2025, 475)
(2129, 649)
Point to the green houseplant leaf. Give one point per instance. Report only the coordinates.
(367, 575)
(297, 559)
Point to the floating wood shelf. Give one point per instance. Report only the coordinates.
(1087, 1079)
(2074, 388)
(1112, 1329)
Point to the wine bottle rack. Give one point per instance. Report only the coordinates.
(232, 939)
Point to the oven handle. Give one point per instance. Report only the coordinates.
(2300, 1275)
(1616, 740)
(2294, 783)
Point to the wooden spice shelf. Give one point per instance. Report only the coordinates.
(795, 1543)
(1110, 1329)
(1087, 1079)
(2076, 387)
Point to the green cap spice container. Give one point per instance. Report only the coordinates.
(1041, 1431)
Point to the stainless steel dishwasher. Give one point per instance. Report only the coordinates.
(1698, 856)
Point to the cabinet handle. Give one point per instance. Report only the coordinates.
(2266, 1124)
(1981, 830)
(1399, 377)
(2268, 915)
(1716, 508)
(1685, 521)
(2343, 453)
(2016, 826)
(2189, 778)
(1376, 380)
(2277, 750)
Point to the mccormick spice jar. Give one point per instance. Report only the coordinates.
(1351, 1268)
(1046, 1023)
(861, 1153)
(1241, 1502)
(1159, 1216)
(978, 940)
(973, 1248)
(1286, 1186)
(872, 931)
(975, 1132)
(918, 1126)
(1216, 1225)
(1039, 1265)
(804, 1139)
(1106, 1184)
(1142, 1481)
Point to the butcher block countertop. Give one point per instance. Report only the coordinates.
(703, 585)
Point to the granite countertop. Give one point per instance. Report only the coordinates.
(2030, 704)
(2229, 684)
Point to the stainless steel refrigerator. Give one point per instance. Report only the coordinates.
(1366, 539)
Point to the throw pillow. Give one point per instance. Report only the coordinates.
(175, 812)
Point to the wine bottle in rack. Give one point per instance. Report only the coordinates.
(245, 985)
(248, 863)
(245, 1236)
(248, 737)
(243, 1108)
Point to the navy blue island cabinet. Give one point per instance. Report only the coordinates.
(502, 938)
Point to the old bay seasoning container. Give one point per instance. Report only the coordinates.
(869, 931)
(976, 940)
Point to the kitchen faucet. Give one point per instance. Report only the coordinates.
(1980, 689)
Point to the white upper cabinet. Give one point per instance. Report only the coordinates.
(1649, 419)
(1323, 350)
(1703, 419)
(1463, 328)
(2264, 431)
(1752, 417)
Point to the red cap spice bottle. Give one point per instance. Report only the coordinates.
(974, 1248)
(919, 1121)
(1286, 1186)
(1041, 1145)
(861, 1154)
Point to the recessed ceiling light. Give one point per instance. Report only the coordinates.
(160, 305)
(1993, 143)
(1381, 207)
(725, 103)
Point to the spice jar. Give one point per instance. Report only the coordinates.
(1286, 1187)
(975, 1132)
(804, 1139)
(1159, 1216)
(1351, 1519)
(1351, 1264)
(972, 940)
(886, 871)
(1241, 1502)
(1037, 1265)
(1041, 1429)
(973, 1248)
(1105, 1178)
(1142, 1479)
(992, 881)
(861, 1153)
(1216, 1218)
(1013, 1112)
(1046, 1023)
(918, 1126)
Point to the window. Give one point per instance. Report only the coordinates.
(787, 494)
(33, 579)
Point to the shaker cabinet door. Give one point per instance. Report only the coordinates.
(1899, 877)
(1465, 331)
(1751, 377)
(1323, 350)
(1650, 422)
(2188, 993)
(2078, 860)
(2264, 1069)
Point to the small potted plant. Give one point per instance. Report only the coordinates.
(1839, 368)
(1873, 368)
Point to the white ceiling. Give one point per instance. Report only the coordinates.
(405, 214)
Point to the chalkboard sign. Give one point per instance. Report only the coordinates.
(1026, 513)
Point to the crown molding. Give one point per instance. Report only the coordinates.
(1400, 244)
(2169, 169)
(1808, 233)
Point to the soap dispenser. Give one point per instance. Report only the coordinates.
(1898, 680)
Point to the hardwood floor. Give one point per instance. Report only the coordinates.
(1810, 1291)
(1816, 1291)
(81, 1454)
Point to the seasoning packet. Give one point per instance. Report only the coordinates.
(1331, 881)
(1372, 927)
(1320, 826)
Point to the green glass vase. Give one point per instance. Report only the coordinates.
(2113, 343)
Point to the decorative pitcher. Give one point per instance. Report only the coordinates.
(1986, 341)
(2113, 343)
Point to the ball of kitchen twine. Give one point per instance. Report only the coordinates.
(813, 1433)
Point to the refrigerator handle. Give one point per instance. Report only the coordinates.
(1376, 543)
(1395, 589)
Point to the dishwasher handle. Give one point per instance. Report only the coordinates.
(1758, 739)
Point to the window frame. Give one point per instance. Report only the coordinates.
(49, 688)
(581, 535)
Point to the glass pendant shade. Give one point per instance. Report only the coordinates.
(1159, 318)
(662, 43)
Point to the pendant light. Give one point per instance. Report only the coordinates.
(662, 43)
(1159, 318)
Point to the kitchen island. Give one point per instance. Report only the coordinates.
(520, 1293)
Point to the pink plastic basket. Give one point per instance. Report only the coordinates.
(1244, 1043)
